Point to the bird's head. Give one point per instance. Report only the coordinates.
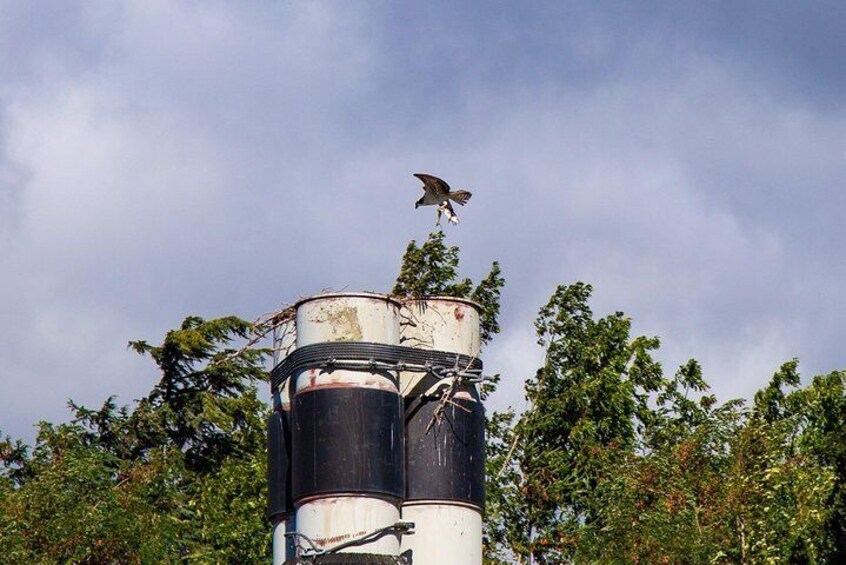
(418, 204)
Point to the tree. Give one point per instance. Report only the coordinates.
(612, 462)
(157, 483)
(431, 269)
(207, 412)
(821, 410)
(584, 403)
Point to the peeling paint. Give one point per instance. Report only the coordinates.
(342, 318)
(330, 520)
(345, 323)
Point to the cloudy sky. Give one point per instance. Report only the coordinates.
(160, 159)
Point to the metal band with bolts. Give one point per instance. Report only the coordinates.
(359, 355)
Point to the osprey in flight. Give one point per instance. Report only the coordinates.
(437, 192)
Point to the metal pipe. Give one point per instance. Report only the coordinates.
(347, 459)
(280, 504)
(444, 439)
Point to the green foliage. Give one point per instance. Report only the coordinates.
(431, 269)
(84, 505)
(178, 478)
(612, 462)
(197, 404)
(229, 507)
(584, 402)
(821, 408)
(615, 463)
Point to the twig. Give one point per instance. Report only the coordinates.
(447, 396)
(510, 453)
(260, 328)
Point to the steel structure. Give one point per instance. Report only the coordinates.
(376, 443)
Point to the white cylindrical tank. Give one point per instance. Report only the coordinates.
(347, 464)
(445, 460)
(439, 323)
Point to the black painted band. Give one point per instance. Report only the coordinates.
(445, 458)
(279, 501)
(347, 441)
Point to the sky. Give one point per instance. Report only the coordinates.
(163, 159)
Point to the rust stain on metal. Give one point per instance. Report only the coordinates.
(381, 385)
(334, 540)
(319, 379)
(458, 313)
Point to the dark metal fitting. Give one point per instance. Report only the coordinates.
(404, 526)
(388, 357)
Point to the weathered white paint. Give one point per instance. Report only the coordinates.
(279, 543)
(334, 520)
(284, 341)
(444, 324)
(347, 317)
(331, 520)
(444, 534)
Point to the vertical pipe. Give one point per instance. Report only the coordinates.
(445, 458)
(347, 460)
(280, 504)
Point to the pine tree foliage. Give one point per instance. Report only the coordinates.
(431, 269)
(178, 477)
(199, 405)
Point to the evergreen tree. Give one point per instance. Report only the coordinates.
(612, 462)
(431, 269)
(179, 477)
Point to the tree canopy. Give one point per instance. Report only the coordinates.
(616, 462)
(613, 461)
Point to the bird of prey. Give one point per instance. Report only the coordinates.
(437, 192)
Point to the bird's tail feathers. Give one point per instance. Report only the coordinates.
(460, 196)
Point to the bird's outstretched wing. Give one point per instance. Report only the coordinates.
(438, 186)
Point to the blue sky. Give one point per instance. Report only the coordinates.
(160, 159)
